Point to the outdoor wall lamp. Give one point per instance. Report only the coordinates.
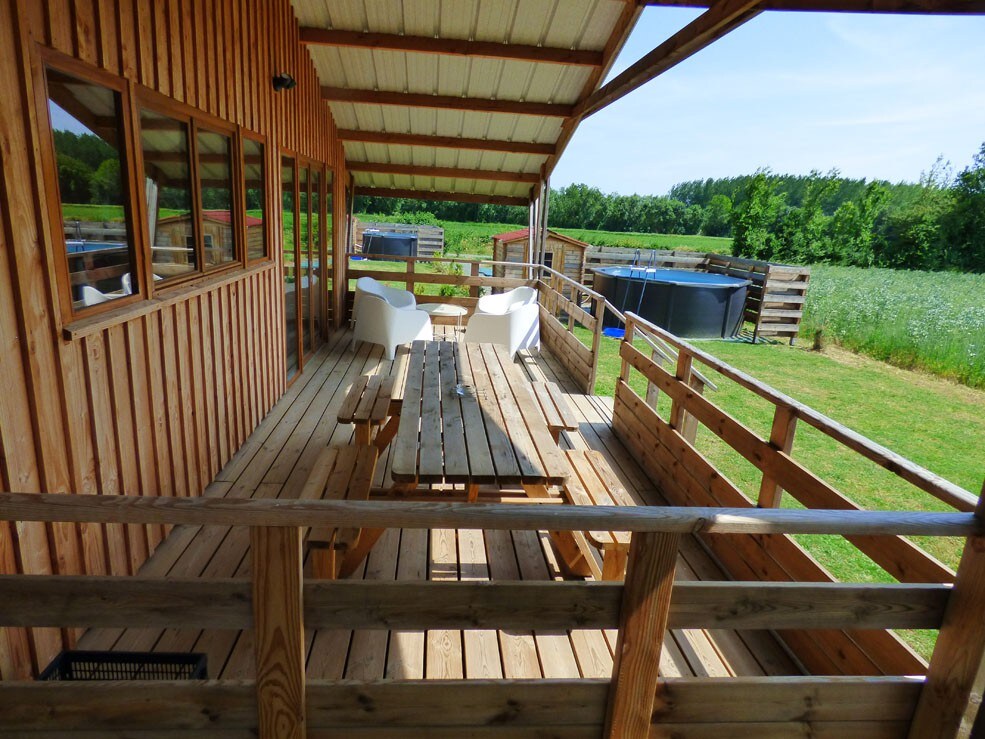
(283, 81)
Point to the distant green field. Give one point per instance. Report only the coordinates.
(932, 321)
(476, 238)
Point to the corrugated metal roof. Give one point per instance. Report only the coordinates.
(370, 64)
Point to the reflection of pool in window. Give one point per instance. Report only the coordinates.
(91, 187)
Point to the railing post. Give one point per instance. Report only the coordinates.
(277, 563)
(683, 374)
(652, 393)
(474, 290)
(781, 439)
(951, 698)
(642, 625)
(410, 274)
(628, 337)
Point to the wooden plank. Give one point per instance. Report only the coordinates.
(405, 444)
(502, 457)
(518, 648)
(482, 656)
(444, 658)
(277, 612)
(456, 452)
(952, 697)
(405, 657)
(711, 520)
(643, 621)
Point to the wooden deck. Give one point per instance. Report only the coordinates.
(276, 460)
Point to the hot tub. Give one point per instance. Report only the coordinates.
(390, 244)
(696, 305)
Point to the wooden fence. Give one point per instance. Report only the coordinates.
(774, 300)
(278, 605)
(430, 239)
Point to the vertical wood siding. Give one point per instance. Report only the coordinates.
(158, 404)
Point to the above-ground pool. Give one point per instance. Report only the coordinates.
(390, 244)
(696, 305)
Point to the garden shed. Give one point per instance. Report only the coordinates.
(562, 253)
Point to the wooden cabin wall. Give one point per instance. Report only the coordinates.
(154, 403)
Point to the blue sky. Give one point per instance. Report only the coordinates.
(875, 96)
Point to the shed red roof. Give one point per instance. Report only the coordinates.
(224, 216)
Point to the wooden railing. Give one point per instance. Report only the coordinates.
(279, 606)
(665, 443)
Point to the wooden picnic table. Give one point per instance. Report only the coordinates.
(469, 416)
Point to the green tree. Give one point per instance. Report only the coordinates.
(104, 186)
(73, 179)
(964, 225)
(718, 216)
(756, 220)
(852, 228)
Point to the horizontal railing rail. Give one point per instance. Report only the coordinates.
(127, 509)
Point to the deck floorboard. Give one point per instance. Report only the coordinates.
(276, 460)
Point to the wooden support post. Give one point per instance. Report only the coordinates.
(279, 628)
(652, 393)
(952, 696)
(781, 438)
(684, 361)
(410, 274)
(689, 424)
(596, 343)
(627, 337)
(642, 624)
(474, 271)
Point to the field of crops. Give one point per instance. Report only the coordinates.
(932, 321)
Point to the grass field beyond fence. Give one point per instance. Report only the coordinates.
(933, 321)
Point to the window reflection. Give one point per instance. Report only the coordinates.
(85, 120)
(256, 239)
(170, 221)
(216, 186)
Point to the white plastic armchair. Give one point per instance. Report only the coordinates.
(515, 323)
(499, 305)
(401, 299)
(379, 322)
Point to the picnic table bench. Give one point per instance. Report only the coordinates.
(593, 482)
(339, 473)
(370, 406)
(556, 409)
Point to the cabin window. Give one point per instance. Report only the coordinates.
(256, 234)
(215, 173)
(92, 189)
(168, 192)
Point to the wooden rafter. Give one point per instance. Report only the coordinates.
(450, 46)
(446, 142)
(936, 7)
(413, 169)
(450, 102)
(710, 26)
(620, 33)
(458, 197)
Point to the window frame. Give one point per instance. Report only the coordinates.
(50, 58)
(195, 119)
(267, 209)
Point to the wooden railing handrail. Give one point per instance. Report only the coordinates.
(920, 477)
(67, 507)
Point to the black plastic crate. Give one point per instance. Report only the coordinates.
(76, 664)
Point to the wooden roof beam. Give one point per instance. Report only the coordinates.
(941, 7)
(457, 197)
(452, 47)
(708, 27)
(415, 170)
(446, 142)
(448, 102)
